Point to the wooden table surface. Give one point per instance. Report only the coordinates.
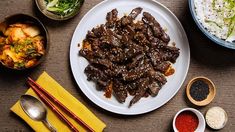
(207, 59)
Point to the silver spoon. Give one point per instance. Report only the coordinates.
(36, 110)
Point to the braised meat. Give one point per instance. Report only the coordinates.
(111, 18)
(129, 57)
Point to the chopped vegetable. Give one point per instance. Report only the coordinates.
(62, 7)
(21, 46)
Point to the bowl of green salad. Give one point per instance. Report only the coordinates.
(216, 19)
(59, 9)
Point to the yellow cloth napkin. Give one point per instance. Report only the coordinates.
(51, 86)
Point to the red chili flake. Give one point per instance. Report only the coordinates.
(186, 121)
(169, 71)
(109, 90)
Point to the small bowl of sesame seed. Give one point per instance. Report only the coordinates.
(216, 118)
(200, 91)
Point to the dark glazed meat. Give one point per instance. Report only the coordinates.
(135, 12)
(120, 91)
(156, 27)
(111, 18)
(142, 88)
(129, 57)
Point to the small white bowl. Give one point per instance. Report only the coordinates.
(225, 120)
(202, 124)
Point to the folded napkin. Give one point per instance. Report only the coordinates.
(51, 86)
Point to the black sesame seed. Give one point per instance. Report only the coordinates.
(199, 90)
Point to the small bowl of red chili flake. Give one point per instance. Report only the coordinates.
(189, 120)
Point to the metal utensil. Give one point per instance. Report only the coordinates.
(35, 109)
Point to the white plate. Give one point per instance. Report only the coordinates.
(97, 16)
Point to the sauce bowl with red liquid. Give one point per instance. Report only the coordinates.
(189, 120)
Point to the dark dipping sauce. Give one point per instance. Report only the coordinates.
(199, 90)
(186, 121)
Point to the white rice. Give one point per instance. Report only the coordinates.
(213, 15)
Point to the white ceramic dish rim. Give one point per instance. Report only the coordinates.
(105, 105)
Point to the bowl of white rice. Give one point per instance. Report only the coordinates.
(216, 19)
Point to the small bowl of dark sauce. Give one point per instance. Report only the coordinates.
(200, 91)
